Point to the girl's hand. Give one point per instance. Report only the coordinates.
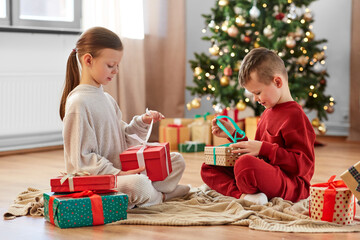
(250, 147)
(134, 171)
(154, 115)
(220, 133)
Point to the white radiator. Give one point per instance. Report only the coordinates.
(29, 110)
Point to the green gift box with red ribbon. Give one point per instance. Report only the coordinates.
(87, 208)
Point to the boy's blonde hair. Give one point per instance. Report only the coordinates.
(265, 62)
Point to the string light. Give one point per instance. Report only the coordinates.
(306, 39)
(246, 50)
(232, 54)
(325, 47)
(301, 69)
(207, 74)
(253, 24)
(213, 89)
(208, 98)
(326, 108)
(302, 21)
(204, 89)
(209, 86)
(264, 5)
(322, 61)
(247, 100)
(315, 95)
(331, 99)
(212, 67)
(199, 77)
(331, 104)
(292, 51)
(312, 87)
(288, 21)
(204, 30)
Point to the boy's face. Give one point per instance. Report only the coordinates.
(267, 95)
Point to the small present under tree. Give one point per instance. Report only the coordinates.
(236, 27)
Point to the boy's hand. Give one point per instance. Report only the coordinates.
(220, 133)
(154, 115)
(250, 147)
(134, 171)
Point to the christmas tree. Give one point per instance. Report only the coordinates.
(284, 26)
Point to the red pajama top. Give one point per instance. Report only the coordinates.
(288, 140)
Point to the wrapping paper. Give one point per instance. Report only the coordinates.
(82, 183)
(351, 177)
(223, 156)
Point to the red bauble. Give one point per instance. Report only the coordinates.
(247, 39)
(228, 71)
(323, 81)
(280, 16)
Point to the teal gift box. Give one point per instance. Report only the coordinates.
(191, 146)
(85, 208)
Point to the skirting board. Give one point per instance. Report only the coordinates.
(27, 141)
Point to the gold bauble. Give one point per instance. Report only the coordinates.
(319, 56)
(224, 81)
(195, 103)
(310, 35)
(223, 3)
(256, 44)
(197, 71)
(302, 60)
(240, 21)
(224, 26)
(241, 105)
(237, 65)
(233, 31)
(315, 122)
(214, 50)
(188, 106)
(322, 128)
(308, 16)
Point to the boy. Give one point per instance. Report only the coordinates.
(280, 161)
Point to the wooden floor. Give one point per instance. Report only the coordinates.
(17, 172)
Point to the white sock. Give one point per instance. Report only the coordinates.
(180, 191)
(258, 198)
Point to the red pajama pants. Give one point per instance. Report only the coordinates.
(252, 175)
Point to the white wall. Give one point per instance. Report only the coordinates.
(332, 22)
(32, 73)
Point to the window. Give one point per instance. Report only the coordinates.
(41, 14)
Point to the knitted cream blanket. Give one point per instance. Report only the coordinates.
(203, 206)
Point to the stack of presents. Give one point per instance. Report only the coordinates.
(82, 200)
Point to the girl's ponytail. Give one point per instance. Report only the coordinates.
(71, 81)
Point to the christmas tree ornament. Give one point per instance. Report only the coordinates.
(256, 45)
(228, 71)
(310, 35)
(323, 81)
(292, 12)
(211, 24)
(319, 56)
(280, 16)
(197, 71)
(195, 103)
(218, 108)
(241, 105)
(318, 67)
(188, 106)
(233, 31)
(237, 65)
(223, 3)
(329, 109)
(315, 122)
(302, 60)
(225, 25)
(224, 81)
(322, 128)
(240, 21)
(214, 50)
(254, 11)
(308, 16)
(238, 10)
(299, 34)
(268, 32)
(290, 42)
(247, 39)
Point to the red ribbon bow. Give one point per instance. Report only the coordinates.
(329, 197)
(96, 204)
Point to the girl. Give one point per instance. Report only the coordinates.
(94, 134)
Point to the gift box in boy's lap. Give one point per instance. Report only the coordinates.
(84, 208)
(222, 157)
(332, 202)
(75, 183)
(156, 160)
(351, 178)
(174, 131)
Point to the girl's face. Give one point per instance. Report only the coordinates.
(105, 66)
(266, 95)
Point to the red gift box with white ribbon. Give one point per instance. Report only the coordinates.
(82, 182)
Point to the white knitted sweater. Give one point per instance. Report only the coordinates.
(94, 134)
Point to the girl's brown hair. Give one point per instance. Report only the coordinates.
(91, 41)
(265, 62)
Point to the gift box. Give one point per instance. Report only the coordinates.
(201, 131)
(84, 208)
(351, 177)
(222, 157)
(332, 202)
(73, 183)
(191, 146)
(251, 126)
(174, 134)
(156, 160)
